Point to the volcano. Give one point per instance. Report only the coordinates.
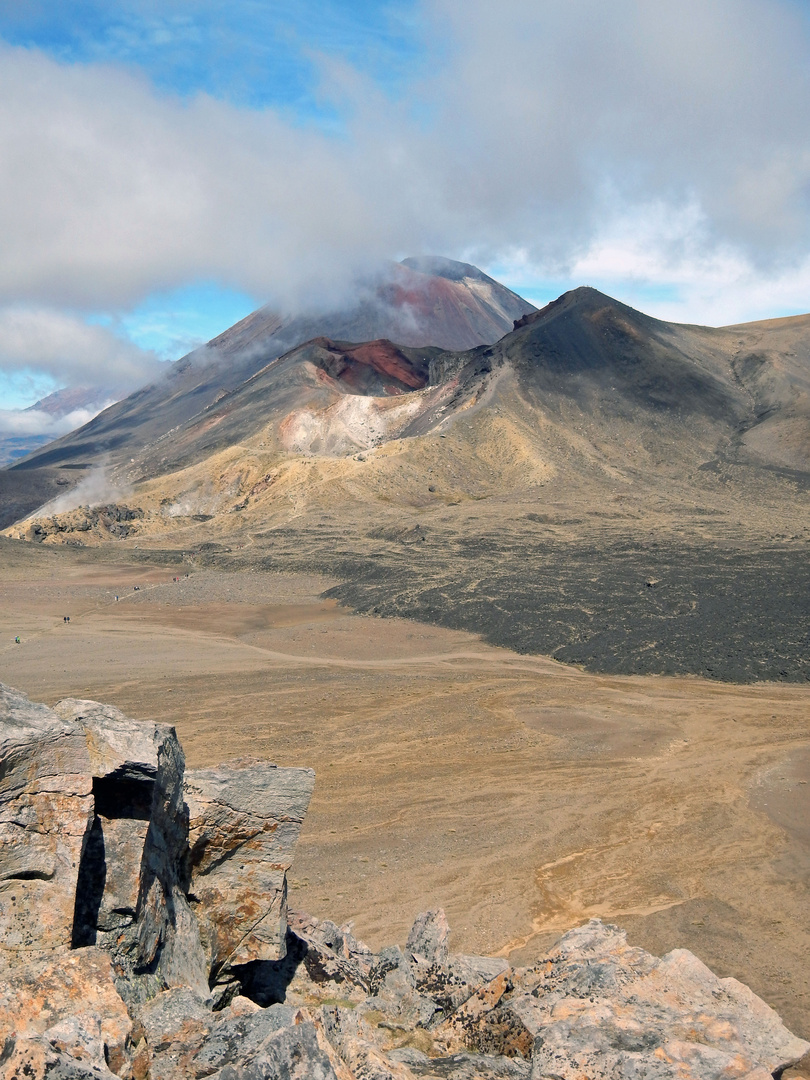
(585, 371)
(419, 302)
(593, 370)
(597, 485)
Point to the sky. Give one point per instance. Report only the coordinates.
(165, 168)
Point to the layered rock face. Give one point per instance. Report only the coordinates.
(46, 810)
(144, 934)
(244, 821)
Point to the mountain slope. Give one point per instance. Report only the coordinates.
(24, 430)
(421, 302)
(579, 397)
(584, 363)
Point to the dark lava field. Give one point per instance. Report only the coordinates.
(738, 614)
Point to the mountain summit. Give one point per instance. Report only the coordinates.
(583, 395)
(421, 302)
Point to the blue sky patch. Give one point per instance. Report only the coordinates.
(253, 53)
(173, 323)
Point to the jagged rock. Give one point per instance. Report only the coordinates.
(41, 1060)
(133, 878)
(388, 959)
(296, 1052)
(604, 1009)
(94, 829)
(322, 960)
(189, 1042)
(501, 1031)
(479, 967)
(338, 939)
(123, 758)
(240, 1036)
(64, 1007)
(104, 972)
(352, 1039)
(46, 809)
(449, 980)
(175, 1023)
(429, 936)
(452, 984)
(187, 1039)
(394, 991)
(96, 848)
(472, 1024)
(332, 953)
(244, 821)
(117, 746)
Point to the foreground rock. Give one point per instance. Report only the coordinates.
(243, 827)
(144, 934)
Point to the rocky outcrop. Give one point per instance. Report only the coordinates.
(603, 1008)
(111, 520)
(46, 812)
(98, 867)
(64, 1011)
(129, 893)
(145, 936)
(244, 821)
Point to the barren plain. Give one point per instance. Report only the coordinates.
(522, 794)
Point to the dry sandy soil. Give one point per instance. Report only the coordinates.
(521, 794)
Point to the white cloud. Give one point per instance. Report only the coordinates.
(69, 349)
(37, 422)
(547, 128)
(660, 250)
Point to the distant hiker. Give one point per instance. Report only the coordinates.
(64, 618)
(17, 640)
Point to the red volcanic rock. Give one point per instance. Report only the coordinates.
(375, 368)
(388, 360)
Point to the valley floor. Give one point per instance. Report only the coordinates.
(521, 794)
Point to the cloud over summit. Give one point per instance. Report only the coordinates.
(529, 130)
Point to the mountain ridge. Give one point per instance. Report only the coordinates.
(592, 388)
(412, 307)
